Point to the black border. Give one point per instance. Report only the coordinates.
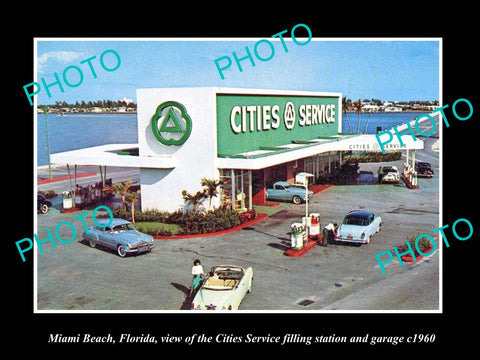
(455, 26)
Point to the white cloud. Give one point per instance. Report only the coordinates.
(58, 56)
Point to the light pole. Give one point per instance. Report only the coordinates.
(45, 111)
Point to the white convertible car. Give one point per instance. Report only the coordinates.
(224, 288)
(358, 227)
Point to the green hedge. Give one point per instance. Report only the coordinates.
(375, 156)
(189, 222)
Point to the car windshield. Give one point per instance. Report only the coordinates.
(355, 220)
(123, 227)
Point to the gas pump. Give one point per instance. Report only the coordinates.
(298, 235)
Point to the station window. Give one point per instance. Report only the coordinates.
(236, 190)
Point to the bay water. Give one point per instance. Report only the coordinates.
(77, 131)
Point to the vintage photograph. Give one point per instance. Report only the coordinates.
(287, 174)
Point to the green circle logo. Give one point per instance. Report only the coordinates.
(171, 124)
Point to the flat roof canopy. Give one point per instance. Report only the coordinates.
(120, 154)
(263, 158)
(113, 155)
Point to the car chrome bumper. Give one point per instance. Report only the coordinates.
(352, 240)
(140, 248)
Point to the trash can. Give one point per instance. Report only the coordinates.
(297, 235)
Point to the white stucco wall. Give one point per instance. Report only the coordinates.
(196, 158)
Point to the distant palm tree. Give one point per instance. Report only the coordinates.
(345, 103)
(193, 199)
(358, 106)
(211, 189)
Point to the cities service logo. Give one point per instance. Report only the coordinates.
(289, 115)
(171, 124)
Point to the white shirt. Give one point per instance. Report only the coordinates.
(330, 227)
(197, 270)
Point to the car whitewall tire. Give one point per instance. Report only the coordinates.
(121, 251)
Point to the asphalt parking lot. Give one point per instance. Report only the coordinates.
(74, 276)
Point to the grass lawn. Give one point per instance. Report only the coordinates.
(156, 227)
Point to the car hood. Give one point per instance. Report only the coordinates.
(133, 237)
(354, 230)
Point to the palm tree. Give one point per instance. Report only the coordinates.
(132, 198)
(193, 199)
(345, 103)
(121, 189)
(358, 105)
(210, 189)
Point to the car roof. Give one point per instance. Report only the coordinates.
(362, 213)
(284, 183)
(115, 222)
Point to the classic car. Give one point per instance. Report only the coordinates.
(224, 288)
(358, 226)
(120, 235)
(286, 191)
(43, 204)
(390, 174)
(424, 169)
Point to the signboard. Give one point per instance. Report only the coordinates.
(171, 124)
(250, 122)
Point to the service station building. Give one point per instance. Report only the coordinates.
(248, 138)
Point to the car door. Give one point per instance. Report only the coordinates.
(106, 238)
(274, 192)
(372, 226)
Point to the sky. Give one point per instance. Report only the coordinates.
(387, 69)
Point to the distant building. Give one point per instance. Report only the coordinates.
(126, 101)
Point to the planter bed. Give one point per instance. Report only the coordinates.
(409, 258)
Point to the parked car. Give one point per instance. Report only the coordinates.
(120, 236)
(358, 226)
(224, 288)
(424, 169)
(43, 204)
(285, 191)
(390, 174)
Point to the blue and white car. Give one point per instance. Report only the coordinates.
(120, 235)
(285, 191)
(358, 227)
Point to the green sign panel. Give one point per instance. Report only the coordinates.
(251, 122)
(171, 125)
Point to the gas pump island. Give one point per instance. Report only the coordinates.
(305, 235)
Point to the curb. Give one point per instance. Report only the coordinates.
(63, 177)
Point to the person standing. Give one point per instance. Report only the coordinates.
(380, 174)
(197, 272)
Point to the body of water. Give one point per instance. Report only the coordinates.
(77, 131)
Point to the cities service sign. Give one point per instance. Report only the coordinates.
(171, 124)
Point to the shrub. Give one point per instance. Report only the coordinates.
(190, 222)
(211, 221)
(375, 156)
(423, 244)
